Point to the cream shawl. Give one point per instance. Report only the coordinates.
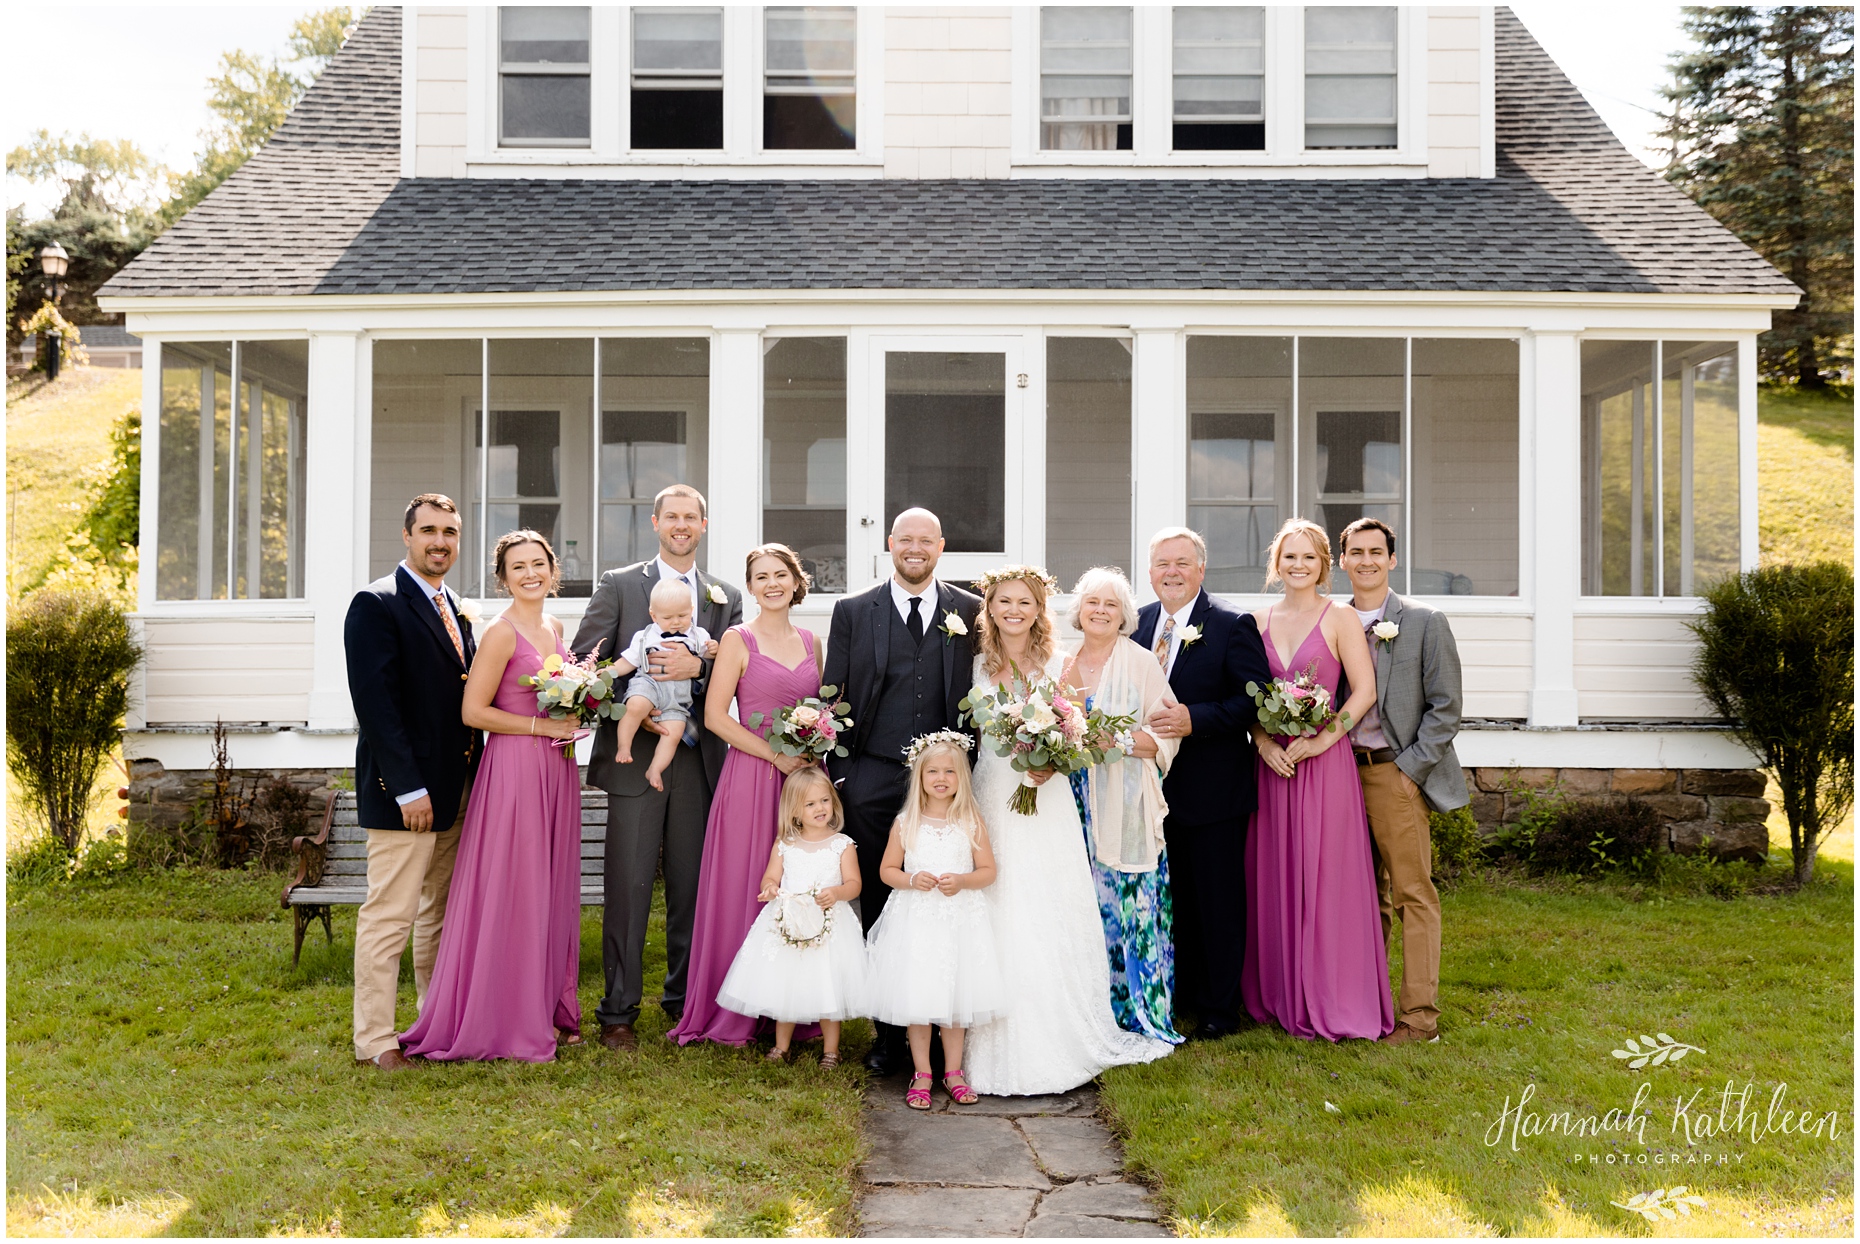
(1125, 796)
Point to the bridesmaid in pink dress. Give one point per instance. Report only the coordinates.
(764, 666)
(1315, 963)
(510, 950)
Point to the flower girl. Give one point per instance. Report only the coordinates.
(933, 948)
(803, 959)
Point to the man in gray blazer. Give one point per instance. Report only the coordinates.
(1404, 755)
(645, 826)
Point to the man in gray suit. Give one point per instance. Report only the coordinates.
(1404, 755)
(645, 826)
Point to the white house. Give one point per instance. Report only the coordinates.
(1066, 275)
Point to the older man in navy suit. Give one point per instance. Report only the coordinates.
(408, 649)
(1210, 651)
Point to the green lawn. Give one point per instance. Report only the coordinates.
(1805, 474)
(1538, 984)
(167, 1071)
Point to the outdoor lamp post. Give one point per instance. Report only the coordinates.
(54, 263)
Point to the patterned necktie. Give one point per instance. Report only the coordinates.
(1162, 643)
(452, 628)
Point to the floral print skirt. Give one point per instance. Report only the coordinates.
(1138, 920)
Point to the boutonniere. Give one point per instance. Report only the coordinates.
(470, 612)
(952, 626)
(1385, 632)
(1190, 635)
(717, 595)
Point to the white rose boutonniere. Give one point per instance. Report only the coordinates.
(952, 626)
(1190, 635)
(717, 595)
(1385, 632)
(471, 613)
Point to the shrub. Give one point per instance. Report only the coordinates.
(1457, 842)
(1517, 840)
(1594, 835)
(1776, 657)
(280, 812)
(68, 660)
(113, 522)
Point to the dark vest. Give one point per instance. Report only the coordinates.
(911, 700)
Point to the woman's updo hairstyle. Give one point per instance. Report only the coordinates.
(787, 557)
(510, 540)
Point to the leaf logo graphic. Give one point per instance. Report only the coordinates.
(1653, 1051)
(1662, 1204)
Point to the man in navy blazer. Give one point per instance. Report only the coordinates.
(408, 648)
(1210, 651)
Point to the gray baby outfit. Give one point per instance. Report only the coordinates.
(671, 699)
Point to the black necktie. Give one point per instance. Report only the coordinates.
(916, 621)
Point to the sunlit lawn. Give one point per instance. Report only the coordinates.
(1805, 474)
(168, 1071)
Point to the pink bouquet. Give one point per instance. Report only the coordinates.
(811, 727)
(1296, 707)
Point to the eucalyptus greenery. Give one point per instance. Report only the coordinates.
(68, 660)
(1776, 659)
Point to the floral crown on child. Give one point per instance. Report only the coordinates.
(923, 743)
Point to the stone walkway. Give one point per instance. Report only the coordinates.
(1006, 1166)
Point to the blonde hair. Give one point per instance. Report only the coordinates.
(1319, 541)
(794, 796)
(670, 594)
(1040, 637)
(963, 810)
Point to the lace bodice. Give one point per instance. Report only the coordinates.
(808, 866)
(939, 849)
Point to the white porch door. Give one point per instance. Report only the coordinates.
(946, 427)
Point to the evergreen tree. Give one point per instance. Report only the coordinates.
(1762, 138)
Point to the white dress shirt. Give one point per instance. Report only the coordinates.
(690, 578)
(902, 596)
(1175, 637)
(1368, 731)
(432, 594)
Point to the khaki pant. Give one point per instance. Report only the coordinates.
(1405, 882)
(408, 877)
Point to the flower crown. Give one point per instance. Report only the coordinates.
(924, 742)
(1015, 574)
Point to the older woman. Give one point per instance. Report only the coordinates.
(1121, 803)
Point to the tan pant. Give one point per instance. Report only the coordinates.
(408, 877)
(1405, 882)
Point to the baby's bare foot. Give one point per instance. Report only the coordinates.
(624, 756)
(652, 777)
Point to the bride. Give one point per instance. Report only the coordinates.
(1061, 1031)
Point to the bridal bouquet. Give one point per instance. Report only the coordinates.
(1296, 707)
(1043, 729)
(582, 689)
(811, 727)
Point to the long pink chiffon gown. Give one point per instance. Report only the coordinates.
(744, 813)
(510, 948)
(1315, 960)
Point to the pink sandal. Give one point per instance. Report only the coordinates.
(961, 1093)
(918, 1098)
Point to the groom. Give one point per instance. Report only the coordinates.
(900, 654)
(645, 825)
(1404, 754)
(1210, 651)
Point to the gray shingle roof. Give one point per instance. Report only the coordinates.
(322, 210)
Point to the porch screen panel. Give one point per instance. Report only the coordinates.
(809, 88)
(1618, 455)
(655, 432)
(1698, 453)
(1464, 512)
(426, 395)
(544, 75)
(804, 454)
(945, 439)
(1239, 452)
(1220, 78)
(266, 513)
(1085, 70)
(196, 430)
(1351, 395)
(1351, 76)
(1088, 466)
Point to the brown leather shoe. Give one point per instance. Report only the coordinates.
(388, 1060)
(1406, 1034)
(619, 1037)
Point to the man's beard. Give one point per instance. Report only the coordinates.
(928, 574)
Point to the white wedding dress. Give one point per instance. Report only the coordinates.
(1059, 1031)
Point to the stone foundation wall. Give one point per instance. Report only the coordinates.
(161, 798)
(1725, 806)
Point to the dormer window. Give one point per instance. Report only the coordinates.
(809, 86)
(677, 88)
(1350, 77)
(543, 77)
(1220, 79)
(1085, 70)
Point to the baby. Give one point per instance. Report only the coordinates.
(671, 624)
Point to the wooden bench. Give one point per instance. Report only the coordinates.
(332, 864)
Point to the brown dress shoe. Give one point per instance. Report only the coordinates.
(619, 1037)
(1405, 1034)
(388, 1060)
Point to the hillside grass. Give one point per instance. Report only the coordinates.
(168, 1072)
(57, 442)
(1805, 474)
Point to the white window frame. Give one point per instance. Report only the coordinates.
(610, 69)
(1153, 107)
